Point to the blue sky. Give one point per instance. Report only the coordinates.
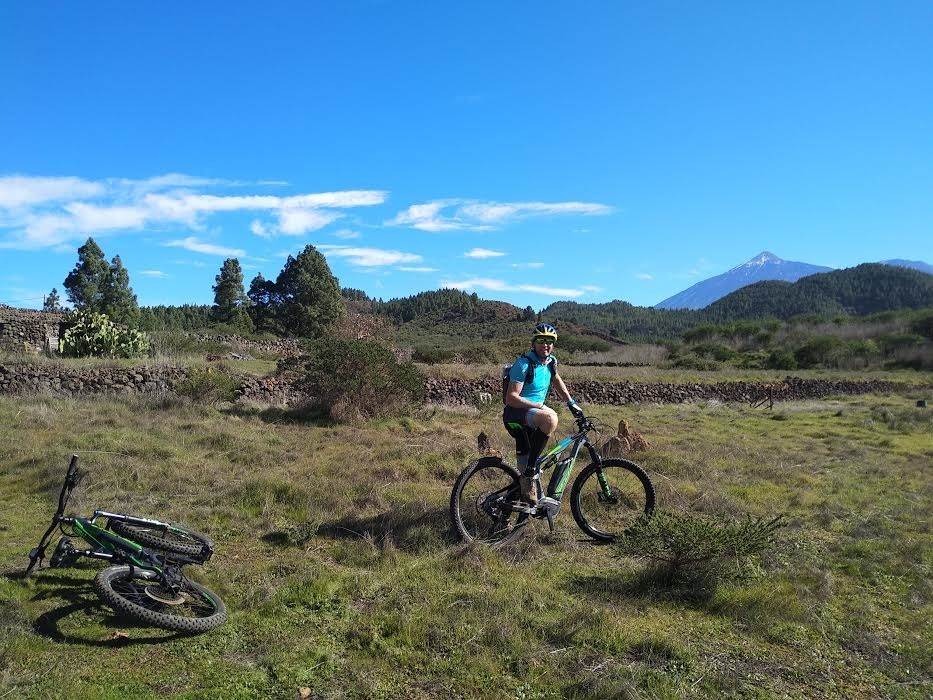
(527, 151)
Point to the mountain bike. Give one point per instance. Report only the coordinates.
(605, 499)
(146, 581)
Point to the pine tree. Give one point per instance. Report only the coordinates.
(117, 298)
(307, 295)
(261, 295)
(230, 298)
(52, 302)
(86, 281)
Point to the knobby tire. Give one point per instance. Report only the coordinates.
(125, 593)
(178, 541)
(632, 496)
(480, 503)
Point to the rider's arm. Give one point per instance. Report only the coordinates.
(564, 394)
(562, 391)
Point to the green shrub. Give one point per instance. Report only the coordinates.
(702, 333)
(92, 334)
(210, 385)
(432, 355)
(752, 359)
(892, 342)
(717, 351)
(923, 324)
(819, 350)
(781, 359)
(691, 553)
(354, 379)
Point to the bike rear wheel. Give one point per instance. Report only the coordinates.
(138, 593)
(172, 539)
(480, 504)
(607, 498)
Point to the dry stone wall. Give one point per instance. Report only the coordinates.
(280, 390)
(71, 381)
(27, 330)
(282, 347)
(468, 392)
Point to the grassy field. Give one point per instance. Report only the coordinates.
(336, 560)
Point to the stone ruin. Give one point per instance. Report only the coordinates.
(29, 331)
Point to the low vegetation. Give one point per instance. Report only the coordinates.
(92, 334)
(336, 560)
(355, 379)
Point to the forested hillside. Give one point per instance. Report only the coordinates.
(857, 291)
(446, 323)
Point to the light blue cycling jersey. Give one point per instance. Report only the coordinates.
(535, 390)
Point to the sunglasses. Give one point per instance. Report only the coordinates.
(542, 340)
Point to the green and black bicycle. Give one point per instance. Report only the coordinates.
(146, 580)
(605, 499)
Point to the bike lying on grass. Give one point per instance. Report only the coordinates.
(147, 581)
(605, 499)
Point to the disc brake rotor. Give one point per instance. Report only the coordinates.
(164, 596)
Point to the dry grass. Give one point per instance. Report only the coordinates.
(336, 559)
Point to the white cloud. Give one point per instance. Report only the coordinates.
(644, 276)
(44, 212)
(528, 265)
(418, 269)
(337, 200)
(483, 216)
(483, 253)
(154, 273)
(90, 217)
(426, 217)
(501, 286)
(196, 246)
(260, 229)
(347, 234)
(294, 222)
(369, 257)
(20, 190)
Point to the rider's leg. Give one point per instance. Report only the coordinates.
(544, 421)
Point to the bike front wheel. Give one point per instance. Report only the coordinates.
(608, 497)
(139, 594)
(170, 538)
(481, 503)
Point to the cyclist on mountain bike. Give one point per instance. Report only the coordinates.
(525, 416)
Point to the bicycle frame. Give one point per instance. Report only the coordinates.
(105, 544)
(563, 469)
(110, 546)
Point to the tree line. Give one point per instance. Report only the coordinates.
(301, 302)
(305, 298)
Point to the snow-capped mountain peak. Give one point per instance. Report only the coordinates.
(764, 266)
(763, 258)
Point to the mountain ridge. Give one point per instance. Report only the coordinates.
(765, 266)
(762, 267)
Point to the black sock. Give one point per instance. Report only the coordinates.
(537, 442)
